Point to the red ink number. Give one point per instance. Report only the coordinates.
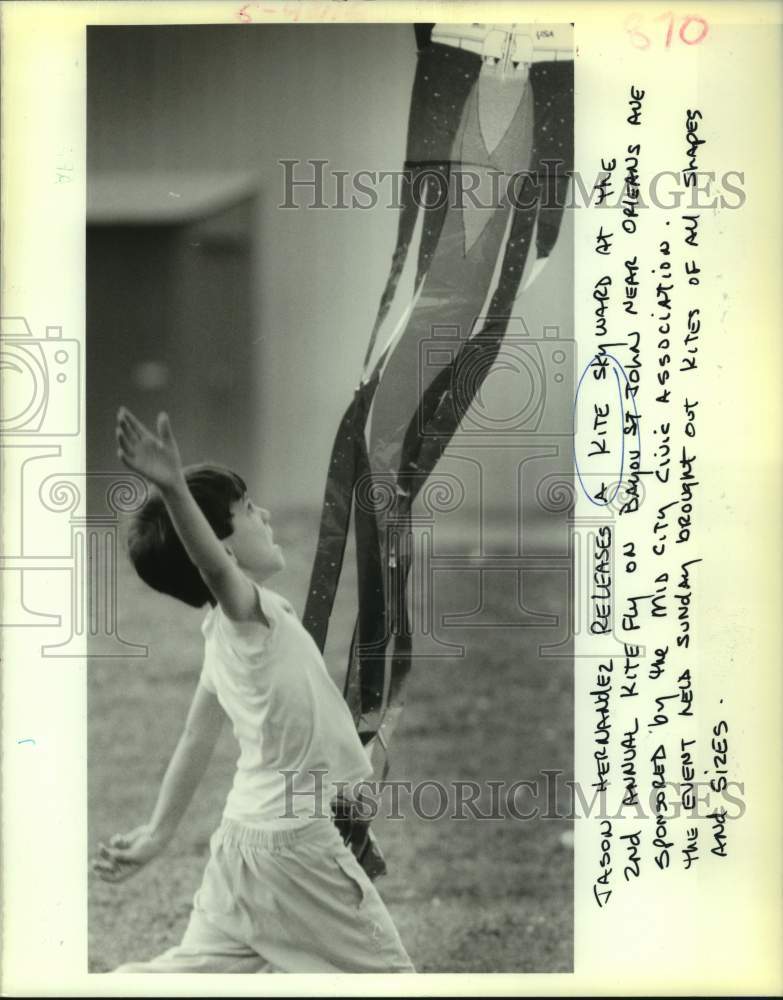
(702, 34)
(638, 39)
(697, 33)
(670, 29)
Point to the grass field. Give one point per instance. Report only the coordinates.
(467, 895)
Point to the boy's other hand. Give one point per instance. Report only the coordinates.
(126, 854)
(155, 456)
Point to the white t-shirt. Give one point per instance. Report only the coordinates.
(287, 715)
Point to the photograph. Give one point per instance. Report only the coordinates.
(329, 379)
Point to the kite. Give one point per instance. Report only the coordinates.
(488, 158)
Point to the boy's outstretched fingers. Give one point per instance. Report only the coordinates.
(164, 427)
(131, 423)
(104, 869)
(110, 866)
(126, 433)
(116, 873)
(104, 865)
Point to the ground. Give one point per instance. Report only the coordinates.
(469, 895)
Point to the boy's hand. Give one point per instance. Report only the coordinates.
(155, 456)
(127, 854)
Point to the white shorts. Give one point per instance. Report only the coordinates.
(284, 901)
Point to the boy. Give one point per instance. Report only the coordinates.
(281, 891)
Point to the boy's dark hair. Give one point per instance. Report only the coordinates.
(154, 547)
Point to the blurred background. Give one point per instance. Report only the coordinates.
(248, 323)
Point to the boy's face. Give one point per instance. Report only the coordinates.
(252, 542)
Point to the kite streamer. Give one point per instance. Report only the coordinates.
(488, 159)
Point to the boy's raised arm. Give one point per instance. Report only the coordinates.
(156, 457)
